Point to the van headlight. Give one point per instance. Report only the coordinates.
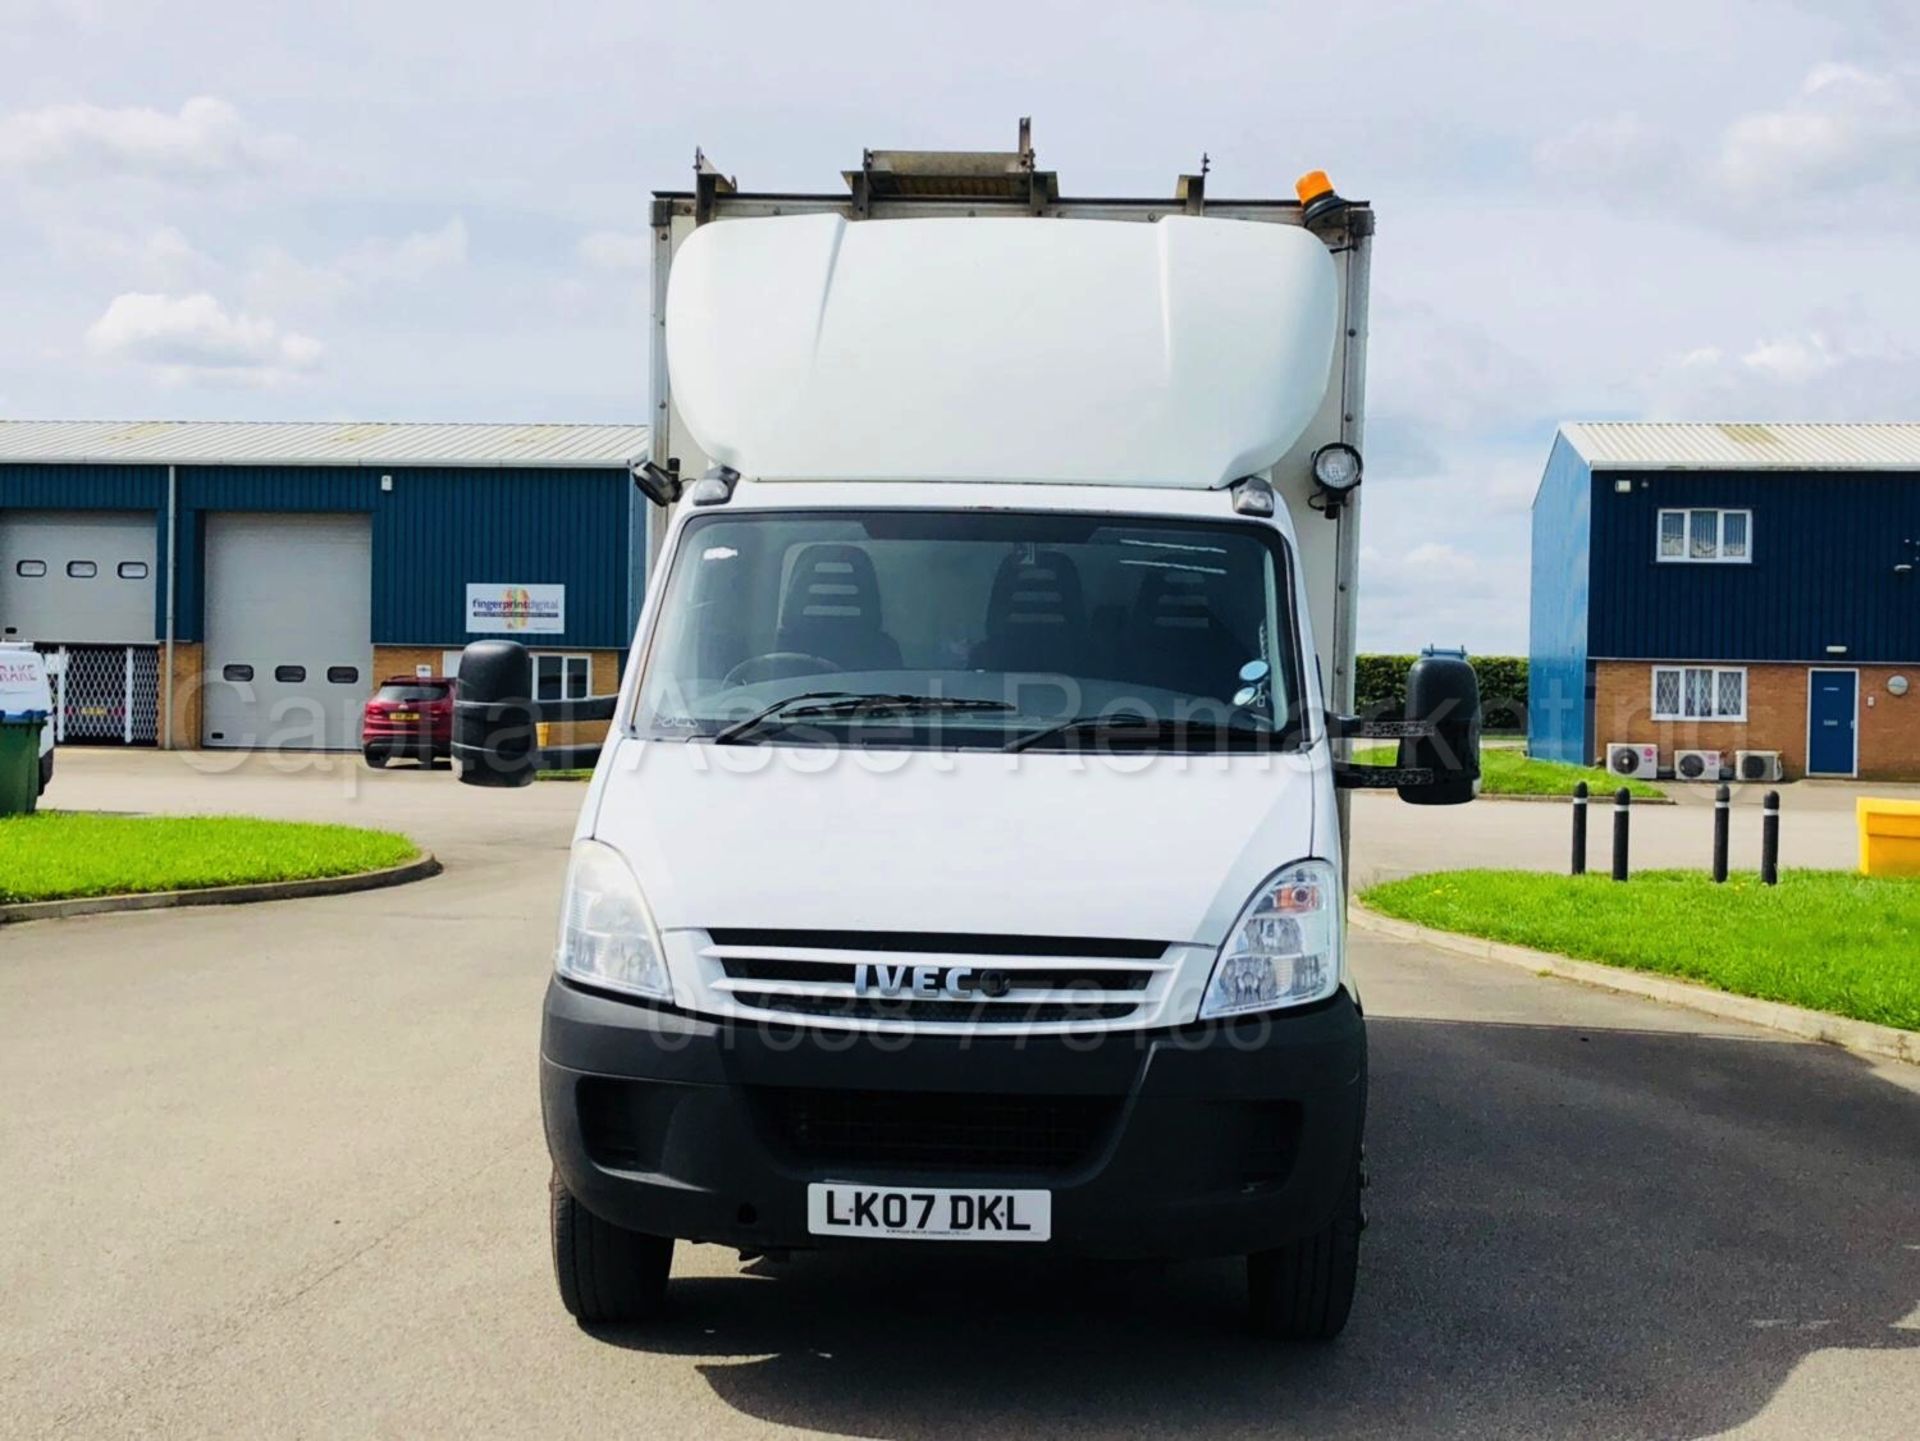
(1285, 948)
(607, 937)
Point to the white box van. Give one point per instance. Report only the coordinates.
(965, 864)
(24, 687)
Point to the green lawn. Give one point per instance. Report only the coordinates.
(55, 855)
(1507, 771)
(1828, 940)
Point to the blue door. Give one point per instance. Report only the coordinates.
(1831, 698)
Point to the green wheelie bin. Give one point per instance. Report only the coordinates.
(20, 761)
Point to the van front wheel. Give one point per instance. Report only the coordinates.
(1303, 1291)
(606, 1272)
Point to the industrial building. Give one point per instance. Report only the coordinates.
(236, 584)
(1728, 600)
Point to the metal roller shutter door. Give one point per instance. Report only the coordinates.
(77, 577)
(289, 654)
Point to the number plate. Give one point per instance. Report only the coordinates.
(928, 1213)
(401, 715)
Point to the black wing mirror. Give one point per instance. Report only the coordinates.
(495, 739)
(1443, 699)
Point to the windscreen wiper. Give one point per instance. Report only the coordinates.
(851, 703)
(1129, 726)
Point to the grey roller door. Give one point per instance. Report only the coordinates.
(77, 577)
(289, 620)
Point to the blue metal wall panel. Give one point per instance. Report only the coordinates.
(439, 529)
(435, 531)
(1557, 622)
(1825, 550)
(83, 487)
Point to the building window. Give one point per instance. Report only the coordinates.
(562, 677)
(1705, 536)
(82, 570)
(131, 570)
(1699, 692)
(30, 569)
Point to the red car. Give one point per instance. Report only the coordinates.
(409, 716)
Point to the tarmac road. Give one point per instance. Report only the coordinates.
(277, 1170)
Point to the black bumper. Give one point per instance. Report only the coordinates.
(1210, 1142)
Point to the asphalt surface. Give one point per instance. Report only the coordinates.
(277, 1170)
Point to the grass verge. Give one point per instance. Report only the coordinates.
(57, 855)
(1827, 940)
(1505, 771)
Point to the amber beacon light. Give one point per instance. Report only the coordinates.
(1317, 196)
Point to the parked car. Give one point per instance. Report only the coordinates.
(409, 716)
(24, 687)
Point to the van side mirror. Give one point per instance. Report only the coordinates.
(495, 740)
(1443, 694)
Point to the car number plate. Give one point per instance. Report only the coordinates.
(928, 1213)
(401, 715)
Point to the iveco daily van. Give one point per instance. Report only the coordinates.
(965, 862)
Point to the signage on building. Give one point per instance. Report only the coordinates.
(497, 608)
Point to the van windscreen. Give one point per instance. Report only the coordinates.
(1179, 628)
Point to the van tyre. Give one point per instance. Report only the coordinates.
(606, 1272)
(1303, 1291)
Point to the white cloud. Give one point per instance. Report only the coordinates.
(159, 259)
(412, 257)
(1446, 373)
(1847, 128)
(1430, 592)
(1811, 375)
(204, 139)
(279, 280)
(616, 249)
(1620, 150)
(1848, 131)
(189, 337)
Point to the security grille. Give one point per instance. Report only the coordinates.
(1666, 698)
(1730, 693)
(105, 694)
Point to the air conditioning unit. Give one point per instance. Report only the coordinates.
(1756, 765)
(1696, 765)
(1634, 763)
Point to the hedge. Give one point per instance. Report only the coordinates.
(1380, 687)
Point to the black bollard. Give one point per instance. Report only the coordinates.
(1770, 841)
(1580, 829)
(1622, 799)
(1722, 812)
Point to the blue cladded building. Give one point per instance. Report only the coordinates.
(1740, 590)
(247, 584)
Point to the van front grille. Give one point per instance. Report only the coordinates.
(945, 979)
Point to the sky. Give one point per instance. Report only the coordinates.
(1682, 210)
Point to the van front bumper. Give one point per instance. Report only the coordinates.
(1204, 1141)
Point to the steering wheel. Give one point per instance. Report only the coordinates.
(775, 664)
